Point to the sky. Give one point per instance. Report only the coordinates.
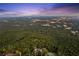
(36, 9)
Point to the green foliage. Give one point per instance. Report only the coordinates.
(23, 42)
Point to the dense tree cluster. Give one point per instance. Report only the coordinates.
(18, 37)
(39, 41)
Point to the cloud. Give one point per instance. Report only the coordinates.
(66, 10)
(6, 13)
(58, 11)
(3, 10)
